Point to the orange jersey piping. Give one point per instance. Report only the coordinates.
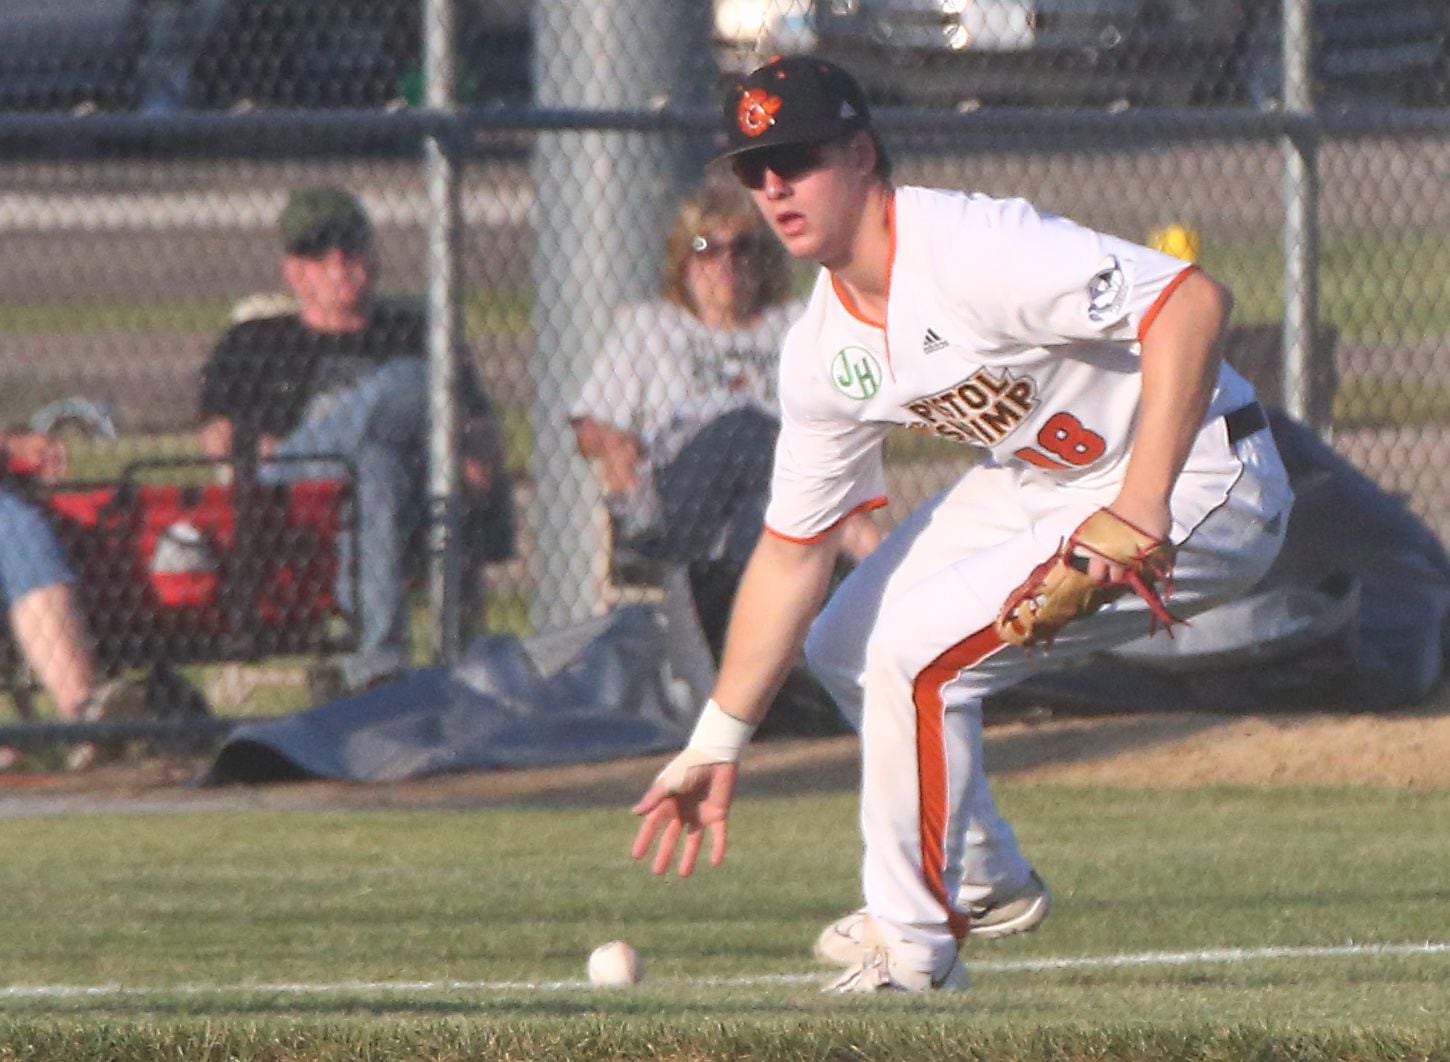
(849, 304)
(1152, 314)
(865, 506)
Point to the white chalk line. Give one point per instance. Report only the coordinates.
(1212, 956)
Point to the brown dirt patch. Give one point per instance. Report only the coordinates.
(1154, 751)
(1396, 751)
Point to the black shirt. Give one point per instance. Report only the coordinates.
(263, 373)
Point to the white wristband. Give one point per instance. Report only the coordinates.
(719, 735)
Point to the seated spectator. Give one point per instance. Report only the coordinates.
(680, 411)
(36, 582)
(346, 374)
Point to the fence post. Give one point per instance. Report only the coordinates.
(445, 225)
(1300, 150)
(603, 199)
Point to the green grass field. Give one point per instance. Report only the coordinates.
(1375, 285)
(459, 934)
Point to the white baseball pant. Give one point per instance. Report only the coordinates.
(906, 646)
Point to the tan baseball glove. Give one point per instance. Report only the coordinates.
(1060, 590)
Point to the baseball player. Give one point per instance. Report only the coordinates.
(1129, 482)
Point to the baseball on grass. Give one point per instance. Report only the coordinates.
(614, 964)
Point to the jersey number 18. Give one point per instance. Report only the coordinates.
(1067, 444)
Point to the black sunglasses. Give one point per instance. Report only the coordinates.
(788, 162)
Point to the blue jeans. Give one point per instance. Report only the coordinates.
(712, 496)
(30, 556)
(379, 426)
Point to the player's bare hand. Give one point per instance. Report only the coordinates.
(686, 799)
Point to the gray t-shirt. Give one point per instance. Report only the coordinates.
(663, 374)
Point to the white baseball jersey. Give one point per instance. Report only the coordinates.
(1018, 333)
(1005, 329)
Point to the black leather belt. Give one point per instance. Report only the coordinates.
(1245, 421)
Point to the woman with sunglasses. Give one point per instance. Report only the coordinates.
(1088, 369)
(679, 412)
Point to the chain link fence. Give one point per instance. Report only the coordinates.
(520, 212)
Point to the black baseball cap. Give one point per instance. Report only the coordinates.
(798, 99)
(315, 220)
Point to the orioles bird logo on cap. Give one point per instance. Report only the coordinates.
(756, 111)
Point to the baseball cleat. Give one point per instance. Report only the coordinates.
(877, 973)
(1020, 911)
(845, 941)
(842, 942)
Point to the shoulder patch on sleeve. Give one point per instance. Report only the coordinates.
(1107, 291)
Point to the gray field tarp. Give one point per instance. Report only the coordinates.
(596, 692)
(1351, 617)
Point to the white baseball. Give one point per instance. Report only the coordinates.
(614, 964)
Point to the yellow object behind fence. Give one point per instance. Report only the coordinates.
(1177, 239)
